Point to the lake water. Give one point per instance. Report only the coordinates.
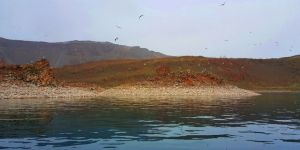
(270, 121)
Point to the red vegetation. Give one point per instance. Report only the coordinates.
(188, 71)
(163, 70)
(166, 77)
(234, 70)
(38, 73)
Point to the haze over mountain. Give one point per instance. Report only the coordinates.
(241, 28)
(69, 53)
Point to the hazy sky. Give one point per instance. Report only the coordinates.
(253, 28)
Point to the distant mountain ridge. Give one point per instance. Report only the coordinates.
(69, 53)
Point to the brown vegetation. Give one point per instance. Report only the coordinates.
(166, 77)
(38, 73)
(283, 73)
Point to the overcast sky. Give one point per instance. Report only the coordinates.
(241, 28)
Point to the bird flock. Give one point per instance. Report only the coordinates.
(276, 43)
(119, 27)
(141, 16)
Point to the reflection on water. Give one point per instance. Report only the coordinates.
(270, 121)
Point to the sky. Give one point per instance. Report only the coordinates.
(240, 28)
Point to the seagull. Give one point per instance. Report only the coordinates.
(119, 27)
(223, 4)
(226, 40)
(116, 39)
(141, 16)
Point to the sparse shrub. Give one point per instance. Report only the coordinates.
(163, 70)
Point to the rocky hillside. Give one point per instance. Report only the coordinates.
(277, 74)
(165, 76)
(69, 53)
(38, 73)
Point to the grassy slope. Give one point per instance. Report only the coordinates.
(280, 74)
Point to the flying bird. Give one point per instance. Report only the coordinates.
(223, 4)
(116, 39)
(141, 16)
(119, 27)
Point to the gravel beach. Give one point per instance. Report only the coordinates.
(203, 91)
(24, 90)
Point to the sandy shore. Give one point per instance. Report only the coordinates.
(14, 91)
(22, 91)
(204, 91)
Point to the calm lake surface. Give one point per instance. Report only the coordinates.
(270, 121)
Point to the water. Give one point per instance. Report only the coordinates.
(270, 121)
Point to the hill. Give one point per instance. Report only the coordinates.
(69, 53)
(259, 74)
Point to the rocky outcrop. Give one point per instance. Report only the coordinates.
(38, 73)
(164, 76)
(37, 81)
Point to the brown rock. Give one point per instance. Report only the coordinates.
(38, 73)
(183, 78)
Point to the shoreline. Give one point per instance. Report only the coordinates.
(226, 91)
(25, 90)
(276, 91)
